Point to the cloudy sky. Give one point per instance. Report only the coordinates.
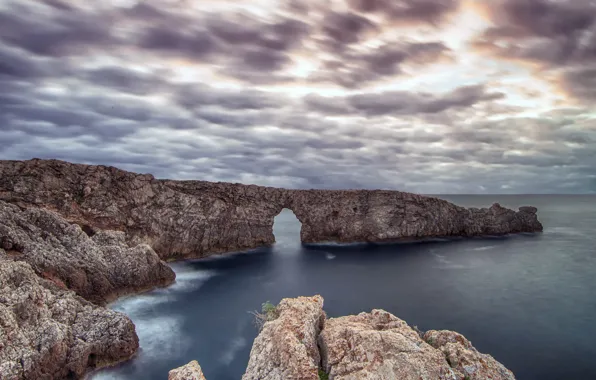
(431, 96)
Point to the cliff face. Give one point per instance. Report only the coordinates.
(47, 332)
(98, 268)
(302, 344)
(184, 219)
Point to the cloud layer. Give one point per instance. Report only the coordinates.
(432, 96)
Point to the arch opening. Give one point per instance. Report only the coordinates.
(286, 228)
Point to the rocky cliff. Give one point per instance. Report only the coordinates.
(185, 219)
(47, 332)
(99, 267)
(302, 344)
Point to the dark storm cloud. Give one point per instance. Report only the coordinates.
(97, 84)
(352, 69)
(430, 11)
(54, 31)
(557, 35)
(581, 82)
(195, 95)
(124, 79)
(195, 45)
(401, 102)
(346, 28)
(550, 32)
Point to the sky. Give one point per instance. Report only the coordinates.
(428, 96)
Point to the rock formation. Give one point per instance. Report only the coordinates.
(47, 332)
(301, 344)
(184, 219)
(378, 345)
(98, 268)
(190, 371)
(465, 360)
(286, 348)
(374, 346)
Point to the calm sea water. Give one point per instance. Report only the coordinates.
(528, 300)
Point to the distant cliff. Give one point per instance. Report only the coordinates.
(190, 219)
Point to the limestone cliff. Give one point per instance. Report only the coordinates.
(190, 371)
(47, 332)
(302, 344)
(98, 268)
(184, 219)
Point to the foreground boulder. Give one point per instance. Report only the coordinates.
(190, 219)
(378, 345)
(99, 268)
(49, 333)
(467, 362)
(190, 371)
(373, 346)
(286, 348)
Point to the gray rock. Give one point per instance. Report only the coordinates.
(98, 268)
(378, 345)
(466, 361)
(286, 348)
(190, 371)
(184, 219)
(373, 346)
(49, 333)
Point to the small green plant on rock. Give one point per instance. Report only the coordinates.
(323, 375)
(268, 313)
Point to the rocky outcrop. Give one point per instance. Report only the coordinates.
(48, 333)
(374, 346)
(465, 360)
(184, 219)
(378, 345)
(98, 267)
(190, 371)
(286, 348)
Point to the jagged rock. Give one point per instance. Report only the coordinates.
(286, 348)
(378, 345)
(98, 268)
(49, 333)
(373, 346)
(190, 371)
(183, 219)
(465, 359)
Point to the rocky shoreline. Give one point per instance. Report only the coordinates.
(75, 237)
(194, 219)
(303, 344)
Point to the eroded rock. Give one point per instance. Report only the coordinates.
(369, 346)
(190, 371)
(49, 333)
(98, 268)
(465, 359)
(184, 219)
(378, 345)
(286, 348)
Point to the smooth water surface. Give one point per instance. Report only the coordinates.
(528, 300)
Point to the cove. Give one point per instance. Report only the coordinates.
(526, 299)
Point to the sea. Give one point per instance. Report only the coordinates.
(528, 300)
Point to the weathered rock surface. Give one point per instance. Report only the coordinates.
(373, 346)
(183, 219)
(98, 268)
(48, 333)
(190, 371)
(467, 362)
(378, 345)
(286, 348)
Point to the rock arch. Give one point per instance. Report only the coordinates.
(190, 219)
